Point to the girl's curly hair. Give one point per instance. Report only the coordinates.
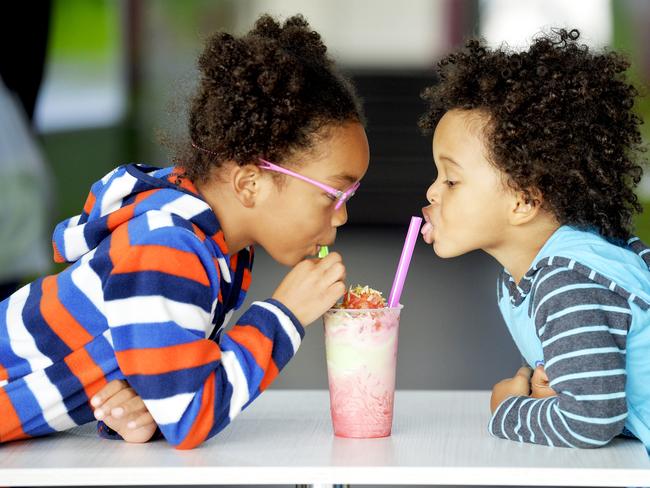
(560, 123)
(264, 94)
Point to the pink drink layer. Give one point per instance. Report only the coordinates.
(361, 349)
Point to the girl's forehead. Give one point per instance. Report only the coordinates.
(459, 133)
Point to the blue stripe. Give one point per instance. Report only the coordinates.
(252, 371)
(595, 420)
(78, 305)
(583, 352)
(588, 374)
(555, 431)
(577, 436)
(584, 330)
(19, 367)
(27, 408)
(565, 289)
(597, 397)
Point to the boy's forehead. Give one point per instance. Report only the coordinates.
(459, 131)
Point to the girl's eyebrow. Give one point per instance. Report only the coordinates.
(344, 177)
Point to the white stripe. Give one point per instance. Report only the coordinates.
(152, 309)
(572, 264)
(74, 243)
(581, 308)
(238, 380)
(186, 206)
(109, 175)
(528, 426)
(505, 414)
(644, 252)
(589, 374)
(592, 275)
(597, 397)
(89, 282)
(539, 421)
(225, 270)
(564, 289)
(49, 400)
(115, 192)
(73, 221)
(584, 439)
(157, 219)
(3, 383)
(584, 330)
(518, 426)
(169, 410)
(557, 433)
(107, 335)
(595, 420)
(546, 276)
(22, 343)
(633, 239)
(583, 352)
(612, 286)
(285, 322)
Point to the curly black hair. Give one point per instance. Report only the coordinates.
(559, 122)
(265, 95)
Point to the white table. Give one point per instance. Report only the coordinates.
(285, 437)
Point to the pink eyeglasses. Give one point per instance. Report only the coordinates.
(340, 197)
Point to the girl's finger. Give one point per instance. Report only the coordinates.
(135, 405)
(111, 388)
(140, 421)
(116, 400)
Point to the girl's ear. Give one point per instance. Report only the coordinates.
(525, 206)
(246, 182)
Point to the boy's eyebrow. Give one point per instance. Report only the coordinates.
(442, 156)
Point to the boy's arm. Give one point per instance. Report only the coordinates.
(583, 327)
(160, 312)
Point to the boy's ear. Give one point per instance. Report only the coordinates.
(246, 184)
(525, 207)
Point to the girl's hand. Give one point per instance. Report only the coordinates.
(518, 385)
(539, 384)
(312, 287)
(121, 409)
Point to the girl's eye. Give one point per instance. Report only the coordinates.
(330, 196)
(450, 183)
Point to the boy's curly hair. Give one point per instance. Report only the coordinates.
(264, 94)
(560, 123)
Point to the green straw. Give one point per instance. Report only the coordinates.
(323, 251)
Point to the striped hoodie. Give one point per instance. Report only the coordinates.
(150, 287)
(583, 309)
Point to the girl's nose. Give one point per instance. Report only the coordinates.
(340, 216)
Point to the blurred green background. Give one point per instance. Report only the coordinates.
(147, 49)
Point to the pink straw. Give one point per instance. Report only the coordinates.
(404, 262)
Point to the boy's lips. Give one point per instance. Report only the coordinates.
(427, 228)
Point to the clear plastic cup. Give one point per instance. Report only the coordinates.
(361, 350)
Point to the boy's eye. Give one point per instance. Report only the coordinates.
(450, 183)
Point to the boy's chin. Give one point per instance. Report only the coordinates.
(446, 252)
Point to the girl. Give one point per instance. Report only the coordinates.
(537, 155)
(161, 257)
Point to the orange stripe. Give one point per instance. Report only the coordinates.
(166, 260)
(246, 279)
(165, 359)
(120, 243)
(58, 257)
(86, 370)
(198, 232)
(271, 373)
(62, 323)
(10, 427)
(90, 203)
(260, 346)
(205, 418)
(119, 216)
(124, 214)
(220, 240)
(4, 374)
(254, 341)
(233, 262)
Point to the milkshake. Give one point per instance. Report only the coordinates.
(361, 349)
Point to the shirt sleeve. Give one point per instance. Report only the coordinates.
(160, 297)
(583, 328)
